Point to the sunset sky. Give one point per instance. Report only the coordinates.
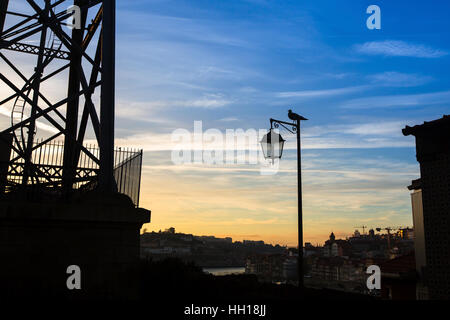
(235, 64)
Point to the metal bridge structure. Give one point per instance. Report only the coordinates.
(57, 87)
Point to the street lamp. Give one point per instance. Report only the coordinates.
(272, 144)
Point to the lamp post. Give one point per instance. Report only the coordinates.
(273, 144)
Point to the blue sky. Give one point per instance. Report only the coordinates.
(235, 64)
(249, 60)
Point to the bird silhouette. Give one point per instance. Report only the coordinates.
(294, 116)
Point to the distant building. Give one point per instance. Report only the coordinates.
(310, 250)
(398, 278)
(419, 237)
(406, 233)
(433, 193)
(352, 270)
(205, 251)
(336, 248)
(254, 243)
(327, 268)
(342, 264)
(268, 267)
(212, 239)
(290, 271)
(170, 230)
(332, 237)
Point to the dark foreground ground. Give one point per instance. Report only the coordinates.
(171, 289)
(176, 280)
(174, 288)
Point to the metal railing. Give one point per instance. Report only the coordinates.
(127, 172)
(47, 160)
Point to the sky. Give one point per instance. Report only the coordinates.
(235, 64)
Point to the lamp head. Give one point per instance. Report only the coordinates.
(272, 145)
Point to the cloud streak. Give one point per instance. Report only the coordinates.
(320, 93)
(411, 100)
(398, 79)
(395, 48)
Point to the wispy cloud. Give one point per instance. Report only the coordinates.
(320, 93)
(398, 79)
(209, 102)
(397, 48)
(380, 128)
(143, 111)
(376, 128)
(178, 28)
(40, 125)
(375, 134)
(382, 133)
(229, 119)
(352, 143)
(411, 100)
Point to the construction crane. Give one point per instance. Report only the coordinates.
(363, 228)
(388, 229)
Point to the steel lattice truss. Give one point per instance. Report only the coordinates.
(81, 62)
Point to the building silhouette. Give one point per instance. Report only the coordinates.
(431, 199)
(419, 237)
(398, 278)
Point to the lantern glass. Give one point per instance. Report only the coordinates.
(272, 145)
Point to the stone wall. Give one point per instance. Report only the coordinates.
(38, 241)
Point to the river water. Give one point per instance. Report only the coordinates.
(225, 271)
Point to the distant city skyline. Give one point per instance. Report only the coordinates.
(338, 236)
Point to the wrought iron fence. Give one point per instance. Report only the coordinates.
(127, 172)
(47, 161)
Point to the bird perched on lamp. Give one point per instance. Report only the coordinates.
(294, 116)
